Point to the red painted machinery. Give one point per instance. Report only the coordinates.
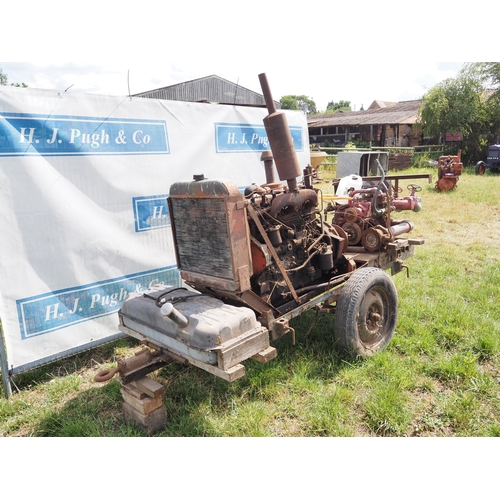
(366, 217)
(450, 168)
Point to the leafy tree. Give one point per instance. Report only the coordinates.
(289, 102)
(469, 104)
(333, 107)
(298, 102)
(488, 75)
(3, 77)
(456, 105)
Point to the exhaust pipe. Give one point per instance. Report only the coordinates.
(280, 139)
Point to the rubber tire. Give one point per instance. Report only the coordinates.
(368, 292)
(480, 168)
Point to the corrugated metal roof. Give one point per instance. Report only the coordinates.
(211, 88)
(400, 113)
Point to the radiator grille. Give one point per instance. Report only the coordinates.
(202, 237)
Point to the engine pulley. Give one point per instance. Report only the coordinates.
(353, 232)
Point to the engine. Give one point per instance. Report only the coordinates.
(291, 225)
(449, 170)
(366, 216)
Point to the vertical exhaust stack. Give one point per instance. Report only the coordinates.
(280, 139)
(267, 158)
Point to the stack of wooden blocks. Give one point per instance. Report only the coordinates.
(143, 404)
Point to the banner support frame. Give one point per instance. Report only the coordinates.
(4, 367)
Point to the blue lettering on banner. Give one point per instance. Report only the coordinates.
(242, 138)
(52, 311)
(150, 212)
(27, 135)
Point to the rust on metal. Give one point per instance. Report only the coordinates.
(105, 375)
(271, 249)
(449, 170)
(267, 158)
(280, 139)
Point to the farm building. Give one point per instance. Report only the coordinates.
(384, 124)
(212, 89)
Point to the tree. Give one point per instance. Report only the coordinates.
(4, 80)
(488, 75)
(469, 104)
(456, 105)
(302, 102)
(333, 107)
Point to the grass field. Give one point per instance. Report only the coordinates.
(439, 376)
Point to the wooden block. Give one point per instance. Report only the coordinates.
(242, 348)
(145, 404)
(231, 374)
(265, 355)
(149, 386)
(151, 423)
(235, 372)
(133, 391)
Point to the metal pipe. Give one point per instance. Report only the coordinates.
(280, 139)
(403, 227)
(266, 91)
(407, 203)
(267, 158)
(172, 313)
(4, 367)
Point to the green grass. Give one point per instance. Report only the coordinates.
(439, 376)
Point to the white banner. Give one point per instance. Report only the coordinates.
(84, 180)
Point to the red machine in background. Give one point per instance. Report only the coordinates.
(449, 170)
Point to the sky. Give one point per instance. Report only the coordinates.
(347, 81)
(327, 51)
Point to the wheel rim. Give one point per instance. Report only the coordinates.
(373, 319)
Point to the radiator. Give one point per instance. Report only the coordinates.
(211, 234)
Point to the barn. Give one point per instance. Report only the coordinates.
(384, 124)
(213, 89)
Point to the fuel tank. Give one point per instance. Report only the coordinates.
(188, 323)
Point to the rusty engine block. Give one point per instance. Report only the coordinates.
(263, 247)
(290, 247)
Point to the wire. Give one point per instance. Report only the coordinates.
(161, 300)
